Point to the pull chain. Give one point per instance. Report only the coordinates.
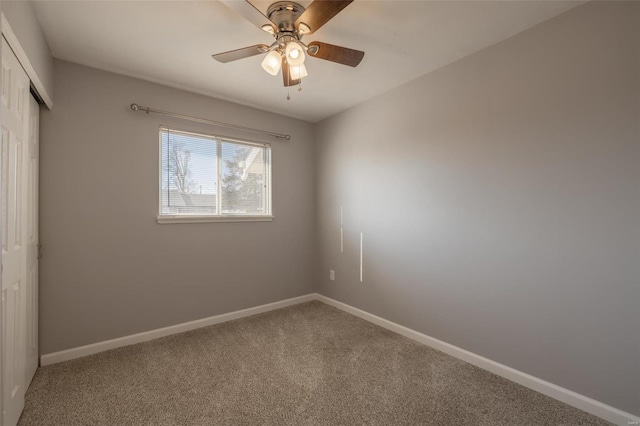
(288, 77)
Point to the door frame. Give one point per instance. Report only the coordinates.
(23, 58)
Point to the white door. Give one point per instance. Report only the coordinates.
(31, 291)
(13, 163)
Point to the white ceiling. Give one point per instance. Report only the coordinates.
(171, 42)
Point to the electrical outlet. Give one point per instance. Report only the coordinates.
(332, 275)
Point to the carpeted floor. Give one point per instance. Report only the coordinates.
(309, 364)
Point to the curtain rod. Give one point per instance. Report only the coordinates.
(137, 107)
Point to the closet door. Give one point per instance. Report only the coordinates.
(14, 166)
(31, 354)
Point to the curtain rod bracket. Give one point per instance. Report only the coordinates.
(136, 107)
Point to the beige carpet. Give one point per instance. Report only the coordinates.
(308, 364)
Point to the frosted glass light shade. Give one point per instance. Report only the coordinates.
(272, 62)
(295, 54)
(298, 72)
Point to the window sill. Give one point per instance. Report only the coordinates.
(208, 219)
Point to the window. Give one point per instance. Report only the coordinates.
(209, 178)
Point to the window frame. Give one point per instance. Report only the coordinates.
(194, 218)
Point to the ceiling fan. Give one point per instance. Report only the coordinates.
(288, 22)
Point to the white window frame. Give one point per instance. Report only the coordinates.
(191, 218)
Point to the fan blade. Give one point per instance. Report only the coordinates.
(245, 52)
(249, 12)
(286, 77)
(333, 53)
(320, 12)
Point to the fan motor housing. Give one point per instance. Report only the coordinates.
(284, 15)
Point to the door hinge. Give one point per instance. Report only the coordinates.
(40, 252)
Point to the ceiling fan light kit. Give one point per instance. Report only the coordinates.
(294, 53)
(272, 62)
(288, 22)
(299, 72)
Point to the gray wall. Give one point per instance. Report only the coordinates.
(109, 269)
(499, 201)
(23, 22)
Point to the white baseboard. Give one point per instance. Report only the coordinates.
(567, 396)
(94, 348)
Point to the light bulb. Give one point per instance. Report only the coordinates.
(295, 54)
(298, 72)
(303, 28)
(268, 28)
(272, 62)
